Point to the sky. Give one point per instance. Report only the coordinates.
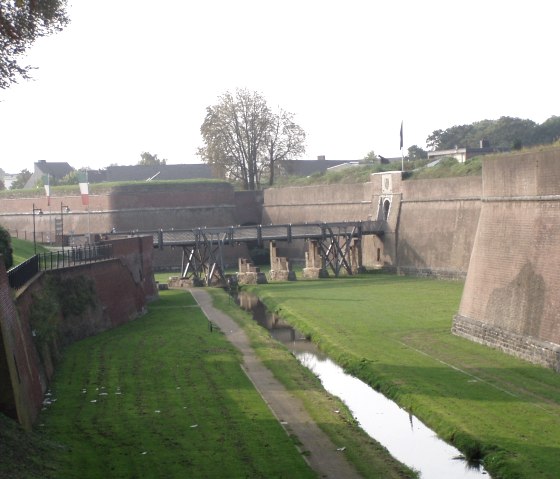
(129, 76)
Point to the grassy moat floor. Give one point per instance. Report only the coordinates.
(393, 332)
(163, 396)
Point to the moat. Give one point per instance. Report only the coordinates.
(405, 436)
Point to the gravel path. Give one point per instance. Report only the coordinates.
(323, 455)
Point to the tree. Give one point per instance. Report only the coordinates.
(244, 138)
(2, 185)
(72, 178)
(285, 140)
(6, 247)
(21, 179)
(416, 153)
(21, 23)
(147, 159)
(371, 157)
(549, 131)
(506, 132)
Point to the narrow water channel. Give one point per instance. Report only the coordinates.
(404, 436)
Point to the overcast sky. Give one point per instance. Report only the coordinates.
(128, 76)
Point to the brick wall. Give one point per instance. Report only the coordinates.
(123, 286)
(126, 208)
(22, 382)
(514, 273)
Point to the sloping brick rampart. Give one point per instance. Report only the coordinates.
(514, 273)
(437, 226)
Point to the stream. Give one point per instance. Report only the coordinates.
(405, 436)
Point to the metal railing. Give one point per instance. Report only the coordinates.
(19, 275)
(23, 272)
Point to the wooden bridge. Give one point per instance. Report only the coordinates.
(203, 247)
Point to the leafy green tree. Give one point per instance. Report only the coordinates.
(243, 138)
(549, 131)
(147, 159)
(506, 132)
(71, 178)
(21, 179)
(6, 247)
(371, 157)
(234, 131)
(2, 185)
(416, 153)
(21, 23)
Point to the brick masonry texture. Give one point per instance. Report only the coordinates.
(514, 272)
(123, 286)
(498, 231)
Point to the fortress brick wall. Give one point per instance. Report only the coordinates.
(131, 207)
(128, 207)
(437, 226)
(122, 288)
(501, 228)
(430, 227)
(510, 300)
(317, 204)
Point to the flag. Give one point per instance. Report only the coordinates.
(83, 181)
(46, 182)
(401, 135)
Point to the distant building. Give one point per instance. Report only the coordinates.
(8, 180)
(56, 171)
(152, 172)
(465, 154)
(308, 167)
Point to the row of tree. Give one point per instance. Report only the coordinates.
(505, 133)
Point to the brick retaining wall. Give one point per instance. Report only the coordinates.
(514, 273)
(122, 288)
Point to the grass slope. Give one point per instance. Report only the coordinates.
(370, 458)
(160, 397)
(394, 333)
(24, 250)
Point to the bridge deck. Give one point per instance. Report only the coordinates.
(260, 233)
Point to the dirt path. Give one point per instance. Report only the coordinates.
(324, 457)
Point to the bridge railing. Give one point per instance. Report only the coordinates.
(259, 233)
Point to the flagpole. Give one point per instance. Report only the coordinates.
(402, 154)
(88, 229)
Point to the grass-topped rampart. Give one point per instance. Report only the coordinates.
(394, 333)
(104, 188)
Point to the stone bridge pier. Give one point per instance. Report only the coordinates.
(280, 267)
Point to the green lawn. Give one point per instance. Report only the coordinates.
(394, 333)
(23, 250)
(163, 397)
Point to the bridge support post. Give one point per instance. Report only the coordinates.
(203, 261)
(280, 267)
(249, 274)
(356, 256)
(314, 261)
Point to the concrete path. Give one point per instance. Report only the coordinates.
(324, 457)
